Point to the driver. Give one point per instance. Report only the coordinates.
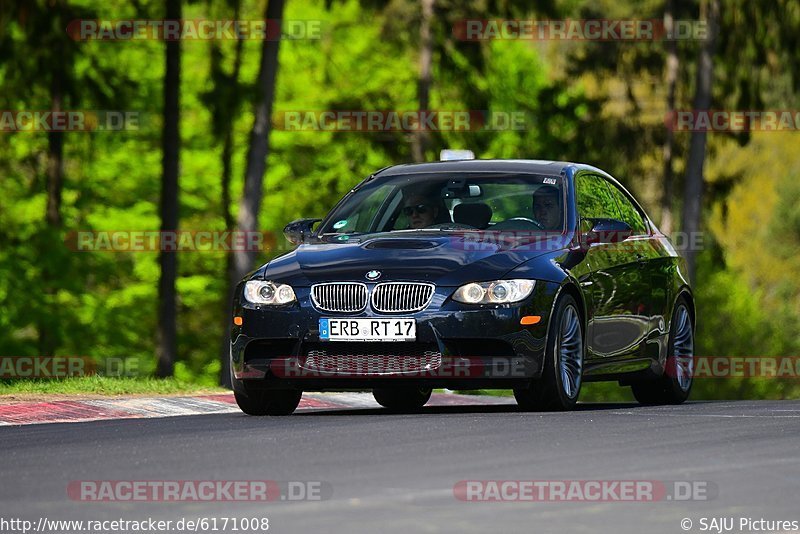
(547, 208)
(420, 210)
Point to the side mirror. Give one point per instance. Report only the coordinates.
(296, 231)
(605, 231)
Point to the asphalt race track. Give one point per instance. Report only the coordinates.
(396, 473)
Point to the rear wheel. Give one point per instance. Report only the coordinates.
(676, 383)
(560, 384)
(268, 401)
(402, 399)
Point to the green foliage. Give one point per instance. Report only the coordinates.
(601, 103)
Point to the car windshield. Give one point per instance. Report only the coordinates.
(451, 202)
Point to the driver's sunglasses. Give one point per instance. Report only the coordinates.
(421, 209)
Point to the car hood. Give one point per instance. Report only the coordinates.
(446, 260)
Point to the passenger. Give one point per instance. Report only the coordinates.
(547, 208)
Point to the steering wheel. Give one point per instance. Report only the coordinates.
(536, 224)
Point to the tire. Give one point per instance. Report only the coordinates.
(675, 385)
(403, 399)
(267, 401)
(560, 384)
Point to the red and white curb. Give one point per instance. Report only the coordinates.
(70, 411)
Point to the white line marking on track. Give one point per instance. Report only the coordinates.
(736, 416)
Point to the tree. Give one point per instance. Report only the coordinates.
(671, 78)
(224, 102)
(42, 57)
(693, 188)
(167, 347)
(258, 150)
(48, 334)
(419, 140)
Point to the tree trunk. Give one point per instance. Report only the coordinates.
(420, 138)
(227, 155)
(227, 147)
(258, 150)
(671, 80)
(167, 307)
(693, 189)
(55, 158)
(48, 324)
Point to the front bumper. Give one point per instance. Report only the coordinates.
(457, 346)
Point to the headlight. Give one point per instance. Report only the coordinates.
(497, 292)
(265, 292)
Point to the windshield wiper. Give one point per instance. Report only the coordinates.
(442, 229)
(326, 234)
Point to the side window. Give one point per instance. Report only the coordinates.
(594, 200)
(628, 212)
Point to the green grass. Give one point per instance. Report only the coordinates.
(102, 385)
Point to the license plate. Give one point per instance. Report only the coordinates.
(398, 329)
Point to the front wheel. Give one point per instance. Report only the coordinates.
(402, 399)
(560, 384)
(676, 383)
(268, 401)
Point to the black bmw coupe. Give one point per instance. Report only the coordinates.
(528, 275)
